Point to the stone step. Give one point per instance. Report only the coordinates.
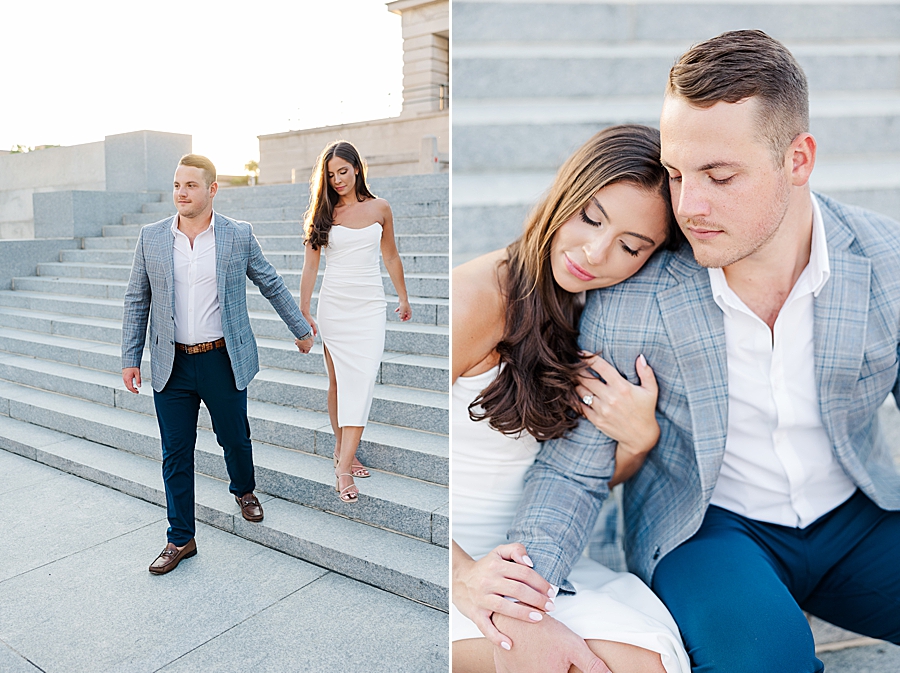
(403, 226)
(392, 405)
(391, 561)
(421, 262)
(401, 451)
(618, 22)
(396, 188)
(541, 134)
(426, 310)
(416, 339)
(397, 369)
(406, 243)
(437, 208)
(422, 285)
(299, 198)
(566, 69)
(400, 503)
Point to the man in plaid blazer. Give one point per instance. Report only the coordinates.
(774, 339)
(189, 277)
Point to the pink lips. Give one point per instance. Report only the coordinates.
(704, 234)
(576, 270)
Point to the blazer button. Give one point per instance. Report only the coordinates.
(656, 554)
(172, 342)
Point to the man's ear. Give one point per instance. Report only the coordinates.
(802, 157)
(213, 188)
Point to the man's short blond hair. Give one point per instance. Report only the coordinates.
(201, 162)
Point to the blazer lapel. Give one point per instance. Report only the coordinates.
(841, 317)
(224, 236)
(696, 330)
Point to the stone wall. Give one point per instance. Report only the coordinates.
(390, 147)
(51, 169)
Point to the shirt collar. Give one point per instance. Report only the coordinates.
(212, 224)
(812, 278)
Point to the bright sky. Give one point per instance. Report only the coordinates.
(223, 72)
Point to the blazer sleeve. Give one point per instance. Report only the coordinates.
(272, 287)
(137, 309)
(564, 490)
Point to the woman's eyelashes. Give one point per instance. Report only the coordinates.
(585, 218)
(595, 223)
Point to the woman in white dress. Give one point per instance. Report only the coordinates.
(518, 377)
(352, 225)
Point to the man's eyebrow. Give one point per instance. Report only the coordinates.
(708, 167)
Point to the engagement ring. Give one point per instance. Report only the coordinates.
(588, 399)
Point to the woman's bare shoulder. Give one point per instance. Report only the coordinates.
(479, 311)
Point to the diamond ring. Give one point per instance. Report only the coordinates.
(588, 399)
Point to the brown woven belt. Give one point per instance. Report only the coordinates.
(205, 347)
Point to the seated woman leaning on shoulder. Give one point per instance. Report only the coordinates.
(518, 378)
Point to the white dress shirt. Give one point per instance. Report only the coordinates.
(779, 464)
(198, 317)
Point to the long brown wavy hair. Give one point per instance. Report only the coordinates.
(319, 217)
(535, 390)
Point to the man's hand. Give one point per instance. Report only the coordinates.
(132, 378)
(304, 346)
(546, 647)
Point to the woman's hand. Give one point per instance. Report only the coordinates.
(480, 588)
(618, 408)
(404, 310)
(312, 323)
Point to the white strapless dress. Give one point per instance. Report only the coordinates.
(351, 317)
(488, 474)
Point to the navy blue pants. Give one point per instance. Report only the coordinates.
(738, 587)
(208, 377)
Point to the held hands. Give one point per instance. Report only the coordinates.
(404, 310)
(132, 378)
(312, 323)
(304, 346)
(479, 588)
(618, 408)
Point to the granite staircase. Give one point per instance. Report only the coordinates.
(62, 401)
(534, 80)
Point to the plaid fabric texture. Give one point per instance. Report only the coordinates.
(151, 294)
(667, 312)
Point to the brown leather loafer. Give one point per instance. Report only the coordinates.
(250, 507)
(171, 556)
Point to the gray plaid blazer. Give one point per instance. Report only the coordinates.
(151, 290)
(667, 312)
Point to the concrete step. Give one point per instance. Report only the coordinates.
(436, 208)
(421, 285)
(410, 338)
(618, 22)
(401, 451)
(394, 190)
(422, 262)
(395, 405)
(402, 226)
(541, 134)
(391, 561)
(397, 369)
(406, 243)
(565, 69)
(399, 503)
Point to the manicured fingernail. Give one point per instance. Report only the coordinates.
(536, 616)
(550, 607)
(506, 646)
(642, 360)
(552, 591)
(528, 561)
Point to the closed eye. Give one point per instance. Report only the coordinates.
(633, 253)
(588, 220)
(723, 181)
